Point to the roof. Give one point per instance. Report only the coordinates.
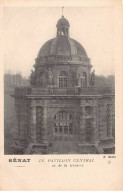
(62, 45)
(63, 21)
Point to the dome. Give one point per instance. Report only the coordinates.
(63, 21)
(62, 48)
(62, 45)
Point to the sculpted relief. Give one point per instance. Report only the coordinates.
(45, 78)
(50, 76)
(92, 78)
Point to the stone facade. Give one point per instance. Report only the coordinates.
(63, 112)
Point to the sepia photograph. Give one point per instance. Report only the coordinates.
(59, 80)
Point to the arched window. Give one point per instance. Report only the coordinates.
(63, 125)
(63, 80)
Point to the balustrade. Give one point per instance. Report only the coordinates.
(71, 91)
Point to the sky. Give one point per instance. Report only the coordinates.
(26, 29)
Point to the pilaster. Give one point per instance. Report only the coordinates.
(109, 121)
(82, 125)
(44, 125)
(33, 124)
(94, 137)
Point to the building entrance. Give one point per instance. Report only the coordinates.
(63, 133)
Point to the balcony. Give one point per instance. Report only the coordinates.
(56, 91)
(71, 91)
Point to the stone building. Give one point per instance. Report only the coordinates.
(63, 112)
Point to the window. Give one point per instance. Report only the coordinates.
(60, 128)
(62, 115)
(85, 77)
(84, 80)
(65, 128)
(63, 82)
(56, 127)
(63, 125)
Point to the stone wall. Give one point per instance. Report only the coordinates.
(22, 108)
(72, 72)
(100, 127)
(92, 118)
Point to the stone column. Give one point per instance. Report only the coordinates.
(82, 125)
(44, 125)
(33, 124)
(109, 120)
(103, 122)
(94, 137)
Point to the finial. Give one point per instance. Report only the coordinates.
(62, 12)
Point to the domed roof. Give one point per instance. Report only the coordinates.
(63, 21)
(62, 45)
(62, 48)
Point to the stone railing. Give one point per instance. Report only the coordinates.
(72, 91)
(56, 91)
(63, 59)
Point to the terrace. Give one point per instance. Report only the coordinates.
(56, 91)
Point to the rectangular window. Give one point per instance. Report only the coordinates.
(65, 128)
(83, 83)
(63, 82)
(60, 82)
(60, 128)
(56, 127)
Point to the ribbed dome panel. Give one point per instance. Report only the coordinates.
(62, 45)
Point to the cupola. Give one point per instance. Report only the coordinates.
(63, 27)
